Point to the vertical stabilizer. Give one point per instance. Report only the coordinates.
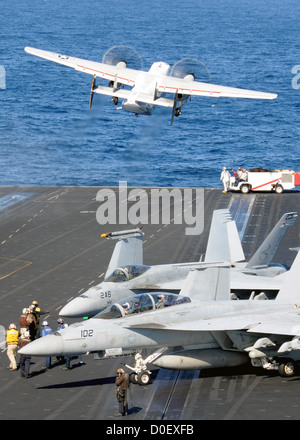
(290, 290)
(223, 243)
(265, 253)
(211, 284)
(128, 250)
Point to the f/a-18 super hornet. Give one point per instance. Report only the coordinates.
(142, 91)
(127, 275)
(192, 330)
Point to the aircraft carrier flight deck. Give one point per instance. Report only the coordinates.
(51, 251)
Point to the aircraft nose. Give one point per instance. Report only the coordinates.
(79, 307)
(50, 345)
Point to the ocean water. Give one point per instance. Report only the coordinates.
(48, 136)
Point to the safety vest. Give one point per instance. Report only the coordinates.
(12, 337)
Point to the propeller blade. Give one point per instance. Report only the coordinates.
(92, 91)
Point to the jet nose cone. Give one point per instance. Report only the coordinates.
(51, 345)
(79, 307)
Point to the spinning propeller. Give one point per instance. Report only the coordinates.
(125, 54)
(191, 69)
(121, 56)
(188, 69)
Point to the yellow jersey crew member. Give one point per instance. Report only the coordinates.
(12, 341)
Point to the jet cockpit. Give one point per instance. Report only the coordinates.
(126, 273)
(143, 302)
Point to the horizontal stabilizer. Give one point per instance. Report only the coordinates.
(162, 102)
(109, 91)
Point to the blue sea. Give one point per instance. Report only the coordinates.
(48, 135)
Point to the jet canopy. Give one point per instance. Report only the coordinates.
(126, 273)
(144, 302)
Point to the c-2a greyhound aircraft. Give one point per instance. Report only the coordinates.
(146, 90)
(191, 330)
(126, 274)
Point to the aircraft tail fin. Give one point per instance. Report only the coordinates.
(265, 253)
(128, 250)
(211, 284)
(223, 243)
(290, 291)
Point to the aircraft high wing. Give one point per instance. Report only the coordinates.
(141, 91)
(223, 246)
(206, 333)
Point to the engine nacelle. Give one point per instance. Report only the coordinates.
(189, 77)
(201, 359)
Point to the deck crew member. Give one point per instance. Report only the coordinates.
(122, 384)
(225, 179)
(12, 341)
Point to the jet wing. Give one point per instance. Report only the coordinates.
(101, 70)
(285, 324)
(170, 84)
(251, 281)
(290, 327)
(203, 325)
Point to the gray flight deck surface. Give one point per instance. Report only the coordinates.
(51, 251)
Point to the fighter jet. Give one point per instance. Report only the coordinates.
(126, 274)
(146, 90)
(198, 331)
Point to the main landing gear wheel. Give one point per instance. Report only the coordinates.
(142, 378)
(286, 368)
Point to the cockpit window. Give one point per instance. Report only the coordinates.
(126, 273)
(141, 303)
(112, 312)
